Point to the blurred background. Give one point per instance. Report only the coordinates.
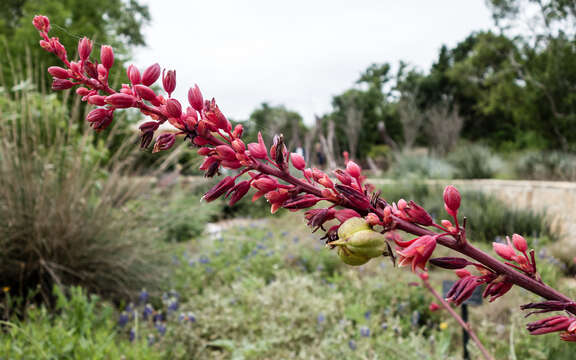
(106, 251)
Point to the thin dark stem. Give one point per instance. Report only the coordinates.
(460, 321)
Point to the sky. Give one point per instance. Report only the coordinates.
(296, 53)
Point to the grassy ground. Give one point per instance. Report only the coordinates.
(268, 289)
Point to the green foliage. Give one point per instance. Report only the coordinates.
(488, 217)
(419, 167)
(63, 217)
(83, 327)
(474, 161)
(273, 120)
(115, 22)
(546, 165)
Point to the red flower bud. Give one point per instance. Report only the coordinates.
(169, 81)
(120, 100)
(147, 130)
(343, 176)
(238, 130)
(225, 152)
(551, 324)
(173, 108)
(301, 202)
(133, 74)
(61, 84)
(238, 145)
(84, 48)
(298, 161)
(219, 189)
(265, 184)
(353, 169)
(345, 214)
(150, 75)
(58, 72)
(100, 118)
(164, 142)
(433, 307)
(107, 56)
(417, 214)
(450, 262)
(452, 199)
(519, 243)
(97, 100)
(195, 98)
(145, 92)
(42, 23)
(258, 150)
(238, 192)
(504, 251)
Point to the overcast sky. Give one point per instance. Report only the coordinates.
(297, 53)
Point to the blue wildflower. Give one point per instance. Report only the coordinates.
(352, 344)
(147, 312)
(123, 319)
(384, 326)
(321, 318)
(367, 315)
(143, 297)
(161, 327)
(132, 335)
(365, 331)
(204, 259)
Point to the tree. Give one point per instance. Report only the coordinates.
(115, 22)
(272, 120)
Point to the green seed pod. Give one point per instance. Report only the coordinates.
(357, 242)
(351, 259)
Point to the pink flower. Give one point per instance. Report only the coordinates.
(258, 150)
(120, 100)
(84, 48)
(551, 324)
(298, 161)
(504, 251)
(433, 307)
(195, 98)
(42, 23)
(58, 72)
(353, 169)
(150, 75)
(164, 142)
(169, 81)
(219, 189)
(133, 75)
(107, 56)
(417, 253)
(100, 118)
(452, 200)
(519, 243)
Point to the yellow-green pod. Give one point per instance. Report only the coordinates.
(368, 243)
(351, 259)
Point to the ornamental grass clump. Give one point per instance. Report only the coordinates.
(64, 218)
(329, 202)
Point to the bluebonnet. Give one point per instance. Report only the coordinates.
(365, 331)
(147, 312)
(161, 327)
(321, 318)
(143, 297)
(132, 335)
(204, 259)
(123, 319)
(352, 344)
(367, 314)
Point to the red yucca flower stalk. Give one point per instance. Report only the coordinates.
(355, 219)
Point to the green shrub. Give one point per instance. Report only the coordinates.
(474, 161)
(419, 167)
(549, 165)
(63, 217)
(83, 327)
